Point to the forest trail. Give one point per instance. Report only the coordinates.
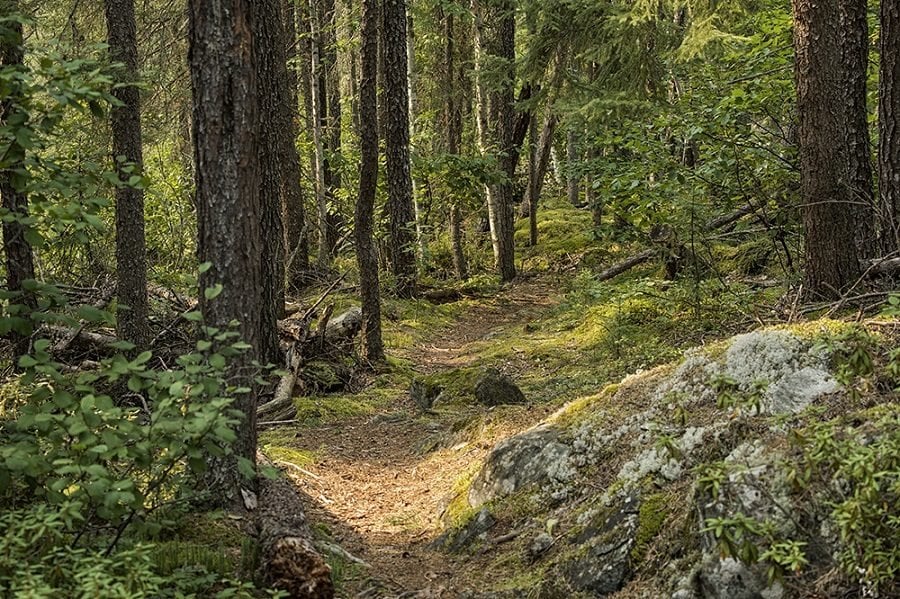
(380, 482)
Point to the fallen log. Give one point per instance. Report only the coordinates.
(626, 265)
(99, 340)
(882, 266)
(289, 560)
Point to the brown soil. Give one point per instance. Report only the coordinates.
(379, 484)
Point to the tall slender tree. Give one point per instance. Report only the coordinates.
(855, 51)
(830, 248)
(330, 115)
(453, 125)
(296, 240)
(889, 130)
(495, 33)
(127, 147)
(226, 148)
(18, 252)
(366, 254)
(396, 127)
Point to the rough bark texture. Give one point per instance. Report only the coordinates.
(545, 149)
(396, 128)
(223, 75)
(830, 248)
(18, 251)
(316, 105)
(495, 34)
(889, 141)
(364, 230)
(274, 147)
(532, 192)
(131, 251)
(855, 49)
(296, 240)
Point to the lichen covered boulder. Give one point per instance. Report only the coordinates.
(534, 457)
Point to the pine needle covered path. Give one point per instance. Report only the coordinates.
(377, 484)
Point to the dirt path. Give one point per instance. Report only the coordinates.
(376, 488)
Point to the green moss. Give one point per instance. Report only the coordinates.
(325, 409)
(459, 511)
(291, 455)
(654, 511)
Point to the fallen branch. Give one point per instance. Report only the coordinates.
(626, 265)
(882, 266)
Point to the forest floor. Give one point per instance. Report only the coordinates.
(377, 484)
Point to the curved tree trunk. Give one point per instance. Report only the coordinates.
(889, 136)
(831, 258)
(495, 33)
(131, 252)
(226, 149)
(396, 127)
(366, 253)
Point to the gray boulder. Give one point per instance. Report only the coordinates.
(455, 540)
(603, 564)
(534, 457)
(496, 389)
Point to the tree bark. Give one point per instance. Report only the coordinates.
(364, 229)
(855, 50)
(296, 240)
(889, 133)
(131, 251)
(453, 125)
(495, 33)
(226, 147)
(413, 115)
(330, 115)
(316, 105)
(18, 252)
(532, 193)
(396, 127)
(275, 146)
(830, 248)
(573, 181)
(545, 150)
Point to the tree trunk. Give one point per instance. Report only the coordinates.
(573, 181)
(889, 134)
(276, 145)
(545, 150)
(316, 120)
(226, 148)
(413, 115)
(831, 257)
(495, 33)
(396, 127)
(364, 229)
(855, 49)
(131, 252)
(453, 125)
(296, 242)
(330, 115)
(17, 249)
(532, 194)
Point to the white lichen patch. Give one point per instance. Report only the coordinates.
(668, 462)
(791, 373)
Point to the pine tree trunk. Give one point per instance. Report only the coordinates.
(830, 248)
(131, 252)
(296, 243)
(364, 230)
(413, 115)
(18, 252)
(573, 181)
(855, 48)
(889, 133)
(495, 33)
(453, 125)
(275, 146)
(396, 127)
(330, 116)
(316, 105)
(226, 146)
(532, 193)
